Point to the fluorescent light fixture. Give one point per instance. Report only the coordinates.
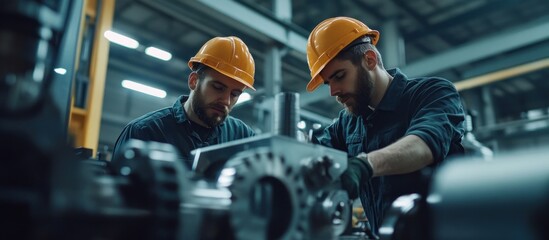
(301, 124)
(60, 71)
(121, 39)
(158, 53)
(244, 97)
(144, 88)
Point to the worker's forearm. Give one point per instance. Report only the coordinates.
(406, 155)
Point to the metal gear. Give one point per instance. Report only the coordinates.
(156, 168)
(270, 199)
(331, 214)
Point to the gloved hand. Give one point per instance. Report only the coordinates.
(358, 172)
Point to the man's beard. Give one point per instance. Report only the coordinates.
(362, 95)
(199, 107)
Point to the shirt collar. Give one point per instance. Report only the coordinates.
(179, 111)
(393, 94)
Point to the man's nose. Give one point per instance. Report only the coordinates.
(334, 91)
(226, 98)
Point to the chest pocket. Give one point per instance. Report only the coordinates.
(354, 144)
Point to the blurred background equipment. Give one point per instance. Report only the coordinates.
(472, 199)
(32, 135)
(472, 146)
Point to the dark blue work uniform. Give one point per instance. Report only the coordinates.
(429, 108)
(171, 125)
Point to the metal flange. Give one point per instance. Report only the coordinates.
(270, 199)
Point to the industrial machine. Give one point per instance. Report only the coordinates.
(258, 193)
(272, 186)
(506, 198)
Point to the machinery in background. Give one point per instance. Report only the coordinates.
(472, 146)
(34, 157)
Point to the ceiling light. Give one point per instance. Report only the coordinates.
(317, 126)
(144, 88)
(158, 53)
(60, 71)
(121, 39)
(244, 97)
(301, 124)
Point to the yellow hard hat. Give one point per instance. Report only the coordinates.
(328, 38)
(229, 56)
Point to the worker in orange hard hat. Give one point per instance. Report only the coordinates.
(221, 70)
(392, 126)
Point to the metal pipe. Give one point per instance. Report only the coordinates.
(286, 114)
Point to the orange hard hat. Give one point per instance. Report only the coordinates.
(328, 38)
(229, 56)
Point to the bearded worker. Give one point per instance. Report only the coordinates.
(392, 127)
(221, 70)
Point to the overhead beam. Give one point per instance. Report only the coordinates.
(480, 49)
(531, 54)
(250, 19)
(448, 23)
(502, 74)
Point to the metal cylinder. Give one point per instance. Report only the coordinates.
(286, 114)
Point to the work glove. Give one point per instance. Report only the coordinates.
(358, 172)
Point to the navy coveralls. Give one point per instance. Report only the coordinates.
(429, 108)
(171, 125)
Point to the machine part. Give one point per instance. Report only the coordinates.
(229, 56)
(29, 49)
(268, 173)
(156, 174)
(270, 200)
(331, 214)
(472, 146)
(286, 114)
(319, 171)
(405, 220)
(328, 38)
(507, 198)
(209, 161)
(25, 188)
(205, 210)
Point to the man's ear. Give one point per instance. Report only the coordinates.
(193, 80)
(370, 60)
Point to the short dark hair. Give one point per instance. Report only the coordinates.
(356, 50)
(200, 69)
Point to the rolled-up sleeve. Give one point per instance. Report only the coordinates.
(437, 117)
